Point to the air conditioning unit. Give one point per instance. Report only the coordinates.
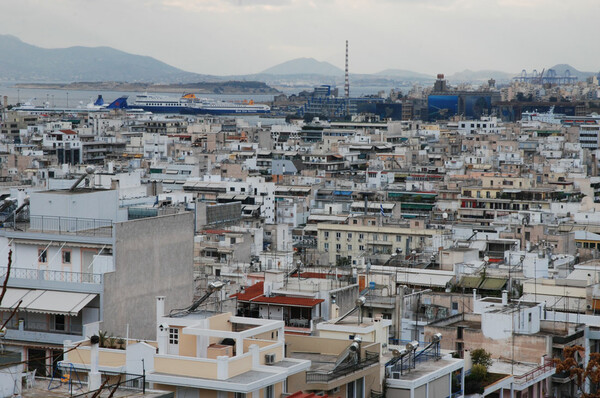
(334, 391)
(269, 359)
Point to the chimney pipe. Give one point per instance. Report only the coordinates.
(504, 298)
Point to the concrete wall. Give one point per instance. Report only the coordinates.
(527, 348)
(98, 204)
(153, 257)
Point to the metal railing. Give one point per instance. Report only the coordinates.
(30, 326)
(64, 225)
(369, 359)
(122, 382)
(52, 275)
(532, 374)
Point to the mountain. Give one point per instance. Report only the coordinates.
(404, 74)
(560, 70)
(480, 76)
(24, 62)
(304, 66)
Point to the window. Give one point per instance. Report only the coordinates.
(374, 237)
(338, 235)
(59, 322)
(385, 238)
(455, 306)
(398, 238)
(326, 246)
(326, 234)
(42, 255)
(269, 392)
(66, 256)
(529, 317)
(349, 235)
(173, 336)
(361, 236)
(349, 247)
(338, 247)
(361, 248)
(240, 395)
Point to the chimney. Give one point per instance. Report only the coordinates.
(474, 296)
(160, 308)
(504, 298)
(6, 101)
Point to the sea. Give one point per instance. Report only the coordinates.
(74, 98)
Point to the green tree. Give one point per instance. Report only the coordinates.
(480, 356)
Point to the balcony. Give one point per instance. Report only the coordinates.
(326, 377)
(51, 275)
(41, 332)
(84, 230)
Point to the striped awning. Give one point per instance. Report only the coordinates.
(46, 301)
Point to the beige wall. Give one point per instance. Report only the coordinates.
(315, 344)
(528, 348)
(186, 367)
(240, 365)
(106, 357)
(187, 344)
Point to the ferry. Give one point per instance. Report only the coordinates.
(160, 103)
(189, 104)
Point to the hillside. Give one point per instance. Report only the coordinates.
(25, 62)
(304, 66)
(480, 76)
(404, 74)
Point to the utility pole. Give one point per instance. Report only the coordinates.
(347, 84)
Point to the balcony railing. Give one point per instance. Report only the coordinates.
(51, 275)
(44, 327)
(532, 374)
(64, 226)
(325, 377)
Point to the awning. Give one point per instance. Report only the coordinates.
(424, 279)
(493, 283)
(477, 282)
(470, 282)
(46, 301)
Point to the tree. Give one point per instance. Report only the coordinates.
(342, 262)
(480, 356)
(578, 372)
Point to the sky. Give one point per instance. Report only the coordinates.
(223, 37)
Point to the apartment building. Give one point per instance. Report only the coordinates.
(200, 354)
(78, 260)
(367, 236)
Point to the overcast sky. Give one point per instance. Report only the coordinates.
(247, 36)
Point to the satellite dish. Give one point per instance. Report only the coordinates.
(486, 259)
(445, 215)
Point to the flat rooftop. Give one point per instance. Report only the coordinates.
(318, 362)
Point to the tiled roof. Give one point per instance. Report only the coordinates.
(288, 301)
(250, 292)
